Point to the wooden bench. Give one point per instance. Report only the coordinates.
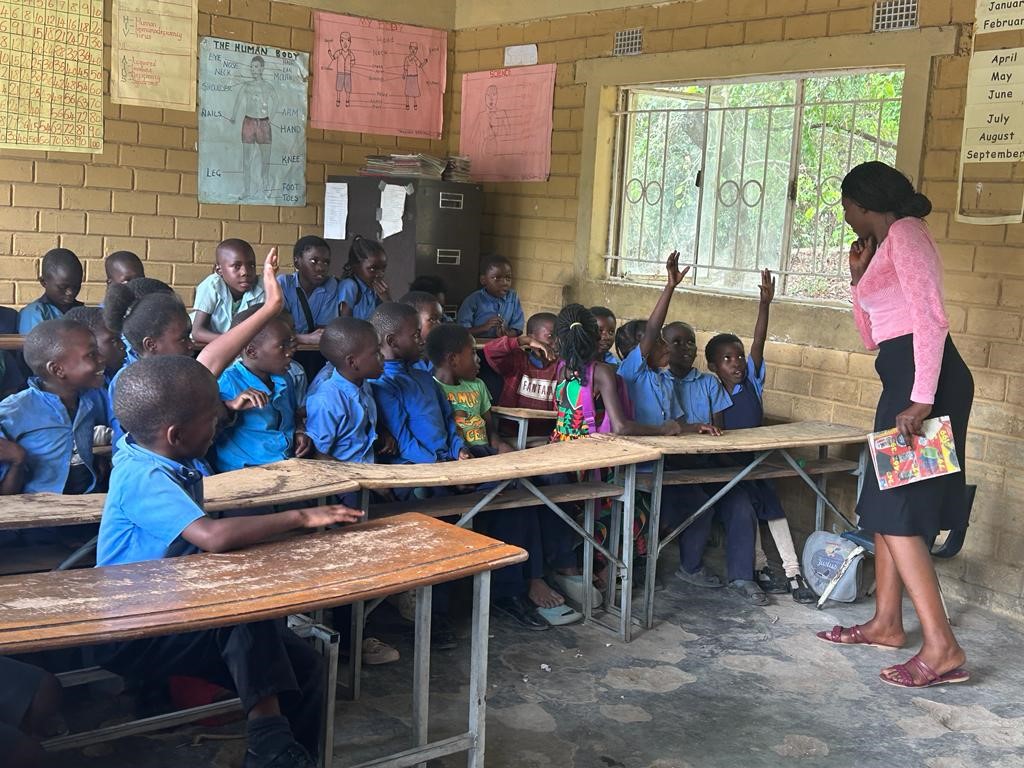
(522, 417)
(301, 574)
(503, 470)
(763, 442)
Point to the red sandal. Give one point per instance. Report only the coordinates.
(931, 677)
(835, 637)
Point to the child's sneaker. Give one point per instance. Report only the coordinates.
(378, 652)
(749, 591)
(801, 592)
(770, 581)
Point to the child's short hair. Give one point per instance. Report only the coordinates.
(578, 337)
(429, 284)
(714, 346)
(602, 313)
(306, 243)
(493, 260)
(419, 299)
(90, 317)
(121, 296)
(158, 392)
(46, 342)
(345, 336)
(362, 248)
(58, 260)
(389, 316)
(539, 319)
(626, 336)
(150, 316)
(122, 259)
(447, 339)
(233, 244)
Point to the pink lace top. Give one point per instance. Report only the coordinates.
(901, 293)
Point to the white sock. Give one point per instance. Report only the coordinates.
(760, 558)
(784, 543)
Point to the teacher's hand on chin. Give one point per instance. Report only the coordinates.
(908, 422)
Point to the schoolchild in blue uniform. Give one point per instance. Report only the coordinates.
(363, 288)
(431, 314)
(170, 408)
(260, 391)
(493, 310)
(744, 377)
(123, 267)
(55, 419)
(310, 293)
(606, 323)
(61, 277)
(234, 286)
(111, 348)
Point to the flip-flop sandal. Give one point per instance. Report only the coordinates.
(571, 585)
(560, 615)
(931, 677)
(835, 637)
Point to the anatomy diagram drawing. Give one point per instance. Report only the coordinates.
(252, 124)
(377, 77)
(506, 122)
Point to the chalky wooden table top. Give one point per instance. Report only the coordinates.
(797, 434)
(524, 413)
(299, 574)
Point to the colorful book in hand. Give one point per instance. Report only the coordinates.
(931, 454)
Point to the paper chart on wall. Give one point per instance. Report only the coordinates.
(506, 123)
(252, 124)
(153, 53)
(335, 210)
(377, 77)
(51, 75)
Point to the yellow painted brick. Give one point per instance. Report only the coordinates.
(190, 274)
(599, 45)
(839, 388)
(934, 13)
(290, 15)
(108, 177)
(233, 29)
(134, 202)
(64, 222)
(197, 229)
(271, 34)
(963, 10)
(177, 251)
(993, 323)
(957, 318)
(58, 173)
(22, 219)
(295, 215)
(658, 42)
(141, 114)
(989, 385)
(152, 226)
(822, 5)
(282, 234)
(972, 289)
(947, 103)
(940, 165)
(120, 131)
(245, 230)
(792, 380)
(84, 246)
(36, 196)
(849, 22)
(107, 224)
(158, 270)
(178, 117)
(302, 39)
(645, 18)
(169, 136)
(142, 157)
(157, 181)
(494, 58)
(806, 26)
(215, 211)
(746, 9)
(690, 38)
(675, 15)
(708, 11)
(510, 34)
(1012, 293)
(785, 7)
(721, 35)
(177, 205)
(469, 61)
(831, 360)
(1015, 389)
(215, 7)
(990, 259)
(15, 268)
(5, 193)
(762, 31)
(254, 10)
(957, 257)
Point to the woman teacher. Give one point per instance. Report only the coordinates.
(896, 273)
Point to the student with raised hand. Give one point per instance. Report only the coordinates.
(234, 285)
(61, 277)
(310, 293)
(362, 287)
(123, 267)
(170, 408)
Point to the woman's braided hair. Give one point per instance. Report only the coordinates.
(578, 337)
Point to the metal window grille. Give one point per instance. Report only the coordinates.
(742, 175)
(628, 42)
(891, 15)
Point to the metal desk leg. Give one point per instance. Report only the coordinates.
(355, 651)
(819, 505)
(589, 512)
(421, 670)
(653, 545)
(615, 537)
(478, 668)
(522, 425)
(628, 523)
(327, 746)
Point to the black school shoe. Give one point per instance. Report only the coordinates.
(523, 611)
(771, 581)
(749, 591)
(801, 592)
(293, 755)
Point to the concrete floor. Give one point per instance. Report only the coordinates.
(717, 684)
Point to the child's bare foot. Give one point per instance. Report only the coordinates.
(544, 596)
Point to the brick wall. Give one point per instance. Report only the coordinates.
(535, 224)
(139, 194)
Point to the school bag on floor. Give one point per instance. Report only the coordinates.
(823, 557)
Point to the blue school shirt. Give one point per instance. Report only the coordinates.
(655, 396)
(214, 298)
(299, 382)
(341, 418)
(746, 410)
(38, 421)
(152, 499)
(115, 423)
(359, 296)
(610, 358)
(701, 395)
(480, 305)
(417, 413)
(258, 435)
(35, 312)
(323, 302)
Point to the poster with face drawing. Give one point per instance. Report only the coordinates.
(252, 124)
(378, 77)
(506, 122)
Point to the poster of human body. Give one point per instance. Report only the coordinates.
(506, 122)
(378, 76)
(252, 124)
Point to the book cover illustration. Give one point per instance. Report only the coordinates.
(930, 455)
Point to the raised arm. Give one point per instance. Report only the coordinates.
(223, 349)
(660, 311)
(761, 326)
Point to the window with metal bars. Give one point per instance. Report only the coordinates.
(740, 175)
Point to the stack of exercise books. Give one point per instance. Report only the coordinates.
(417, 166)
(457, 169)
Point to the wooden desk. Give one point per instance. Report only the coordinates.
(322, 570)
(522, 417)
(763, 442)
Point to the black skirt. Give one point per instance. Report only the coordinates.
(939, 503)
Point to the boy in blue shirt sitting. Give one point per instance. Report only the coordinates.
(743, 377)
(310, 293)
(55, 420)
(61, 278)
(493, 310)
(263, 398)
(170, 407)
(234, 285)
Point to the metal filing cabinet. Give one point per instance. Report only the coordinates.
(440, 232)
